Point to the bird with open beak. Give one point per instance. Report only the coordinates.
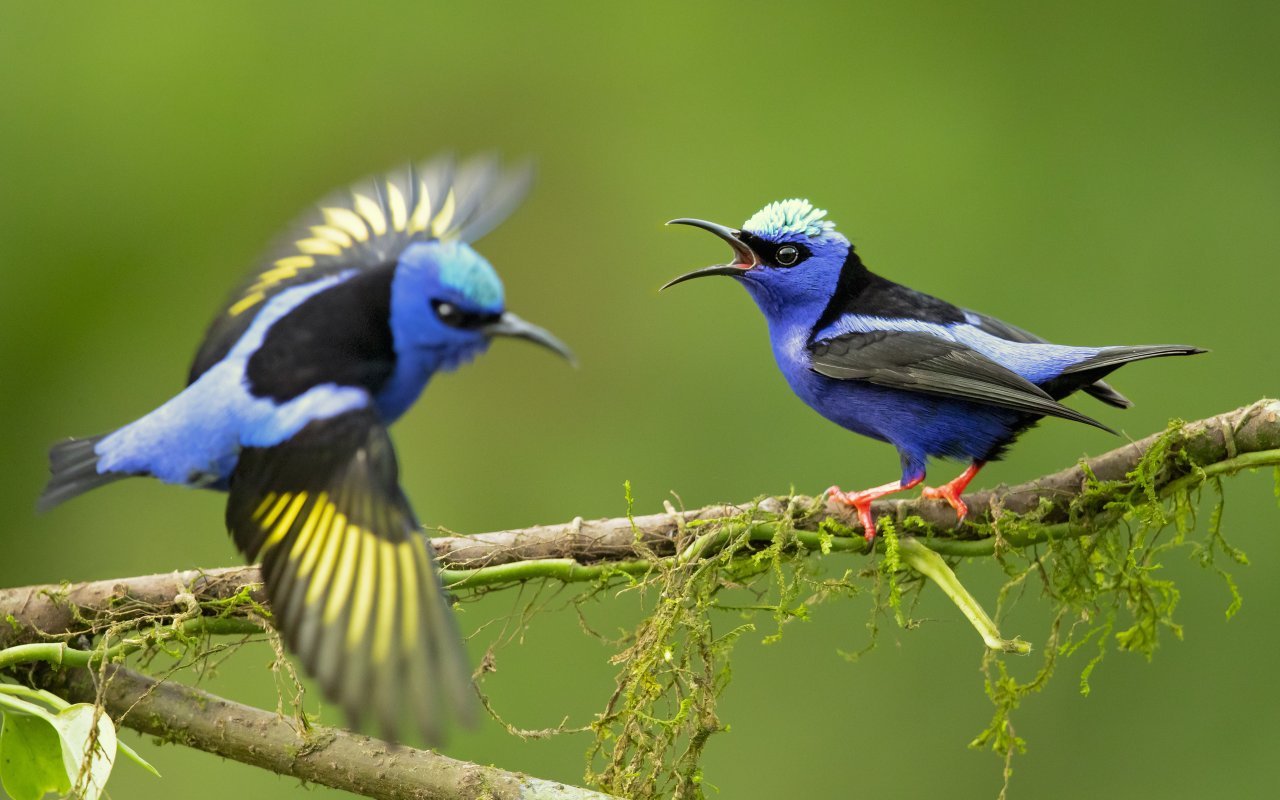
(898, 365)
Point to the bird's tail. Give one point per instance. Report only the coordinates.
(1089, 372)
(1112, 357)
(74, 467)
(1105, 392)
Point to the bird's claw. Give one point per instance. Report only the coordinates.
(952, 489)
(948, 493)
(860, 502)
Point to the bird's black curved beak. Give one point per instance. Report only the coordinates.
(511, 325)
(743, 257)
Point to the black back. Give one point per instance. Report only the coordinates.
(340, 335)
(861, 291)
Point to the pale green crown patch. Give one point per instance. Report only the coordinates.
(795, 217)
(469, 274)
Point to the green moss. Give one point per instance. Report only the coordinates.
(649, 740)
(1099, 563)
(239, 604)
(1108, 588)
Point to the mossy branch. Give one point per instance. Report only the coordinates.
(1074, 502)
(675, 546)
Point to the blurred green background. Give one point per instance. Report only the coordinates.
(1103, 173)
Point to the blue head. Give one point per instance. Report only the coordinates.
(787, 256)
(447, 304)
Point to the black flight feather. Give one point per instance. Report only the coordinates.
(349, 574)
(922, 363)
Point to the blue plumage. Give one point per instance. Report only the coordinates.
(195, 438)
(434, 273)
(286, 409)
(898, 365)
(1037, 362)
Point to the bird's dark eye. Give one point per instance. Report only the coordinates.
(787, 255)
(456, 317)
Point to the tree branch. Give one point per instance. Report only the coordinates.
(582, 550)
(323, 755)
(1246, 437)
(1066, 503)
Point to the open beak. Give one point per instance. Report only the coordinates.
(743, 258)
(511, 325)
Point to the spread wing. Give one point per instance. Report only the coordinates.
(367, 226)
(918, 362)
(353, 590)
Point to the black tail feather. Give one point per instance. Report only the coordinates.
(74, 467)
(1112, 357)
(1088, 374)
(1105, 392)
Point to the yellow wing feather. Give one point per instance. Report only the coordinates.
(379, 217)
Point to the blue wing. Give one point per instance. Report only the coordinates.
(1052, 370)
(916, 361)
(1034, 361)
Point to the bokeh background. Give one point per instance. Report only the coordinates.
(1103, 173)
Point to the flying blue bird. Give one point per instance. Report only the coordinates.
(896, 364)
(287, 406)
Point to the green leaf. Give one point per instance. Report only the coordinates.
(131, 754)
(30, 758)
(75, 725)
(9, 692)
(7, 698)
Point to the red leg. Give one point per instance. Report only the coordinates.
(861, 501)
(951, 491)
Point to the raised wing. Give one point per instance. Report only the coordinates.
(353, 590)
(918, 362)
(367, 226)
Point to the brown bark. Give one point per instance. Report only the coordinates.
(327, 756)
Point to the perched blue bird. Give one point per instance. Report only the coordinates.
(898, 365)
(287, 406)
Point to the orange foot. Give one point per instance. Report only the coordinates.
(951, 491)
(861, 501)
